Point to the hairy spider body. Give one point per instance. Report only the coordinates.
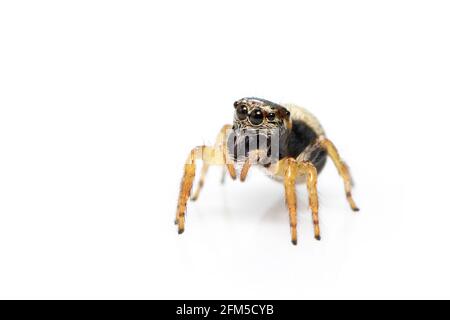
(302, 142)
(285, 140)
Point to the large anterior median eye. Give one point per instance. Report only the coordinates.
(256, 117)
(241, 112)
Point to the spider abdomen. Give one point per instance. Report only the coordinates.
(303, 142)
(303, 139)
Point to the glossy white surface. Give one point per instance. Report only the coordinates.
(101, 101)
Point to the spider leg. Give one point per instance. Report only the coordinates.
(221, 146)
(308, 169)
(186, 186)
(290, 176)
(216, 155)
(343, 170)
(201, 181)
(244, 170)
(251, 159)
(292, 168)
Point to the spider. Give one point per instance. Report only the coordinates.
(285, 140)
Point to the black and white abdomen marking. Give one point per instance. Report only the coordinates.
(303, 141)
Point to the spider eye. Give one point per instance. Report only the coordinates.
(256, 117)
(241, 112)
(271, 116)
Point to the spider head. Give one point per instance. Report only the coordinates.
(259, 126)
(255, 113)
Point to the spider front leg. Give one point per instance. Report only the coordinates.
(293, 168)
(220, 145)
(290, 176)
(252, 158)
(186, 185)
(310, 171)
(210, 156)
(342, 168)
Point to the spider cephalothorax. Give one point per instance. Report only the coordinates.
(287, 141)
(260, 113)
(260, 127)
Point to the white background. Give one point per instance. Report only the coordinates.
(100, 102)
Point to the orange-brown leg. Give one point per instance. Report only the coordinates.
(253, 156)
(310, 171)
(216, 155)
(290, 194)
(244, 170)
(343, 170)
(186, 186)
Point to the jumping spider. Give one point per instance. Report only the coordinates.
(286, 141)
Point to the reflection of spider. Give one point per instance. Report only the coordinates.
(286, 141)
